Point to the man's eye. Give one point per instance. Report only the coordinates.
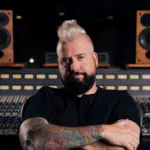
(81, 57)
(65, 61)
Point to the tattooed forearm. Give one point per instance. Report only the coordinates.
(66, 138)
(53, 137)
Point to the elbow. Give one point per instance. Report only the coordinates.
(27, 140)
(23, 135)
(29, 129)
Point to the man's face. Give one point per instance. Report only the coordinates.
(77, 65)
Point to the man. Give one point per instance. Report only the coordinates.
(80, 114)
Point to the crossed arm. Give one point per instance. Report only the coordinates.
(37, 133)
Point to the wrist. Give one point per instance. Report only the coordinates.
(104, 131)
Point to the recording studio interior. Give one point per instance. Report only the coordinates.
(120, 31)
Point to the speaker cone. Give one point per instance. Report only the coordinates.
(4, 38)
(144, 38)
(3, 19)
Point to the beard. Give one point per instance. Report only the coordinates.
(76, 86)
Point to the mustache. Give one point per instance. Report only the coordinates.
(77, 73)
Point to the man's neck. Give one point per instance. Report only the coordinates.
(92, 90)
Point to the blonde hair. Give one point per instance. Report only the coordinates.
(68, 30)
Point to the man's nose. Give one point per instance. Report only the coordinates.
(74, 65)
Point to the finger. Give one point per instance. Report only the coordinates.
(133, 144)
(128, 146)
(130, 138)
(131, 133)
(136, 143)
(136, 135)
(133, 141)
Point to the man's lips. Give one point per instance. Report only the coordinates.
(78, 75)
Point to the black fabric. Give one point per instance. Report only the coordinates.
(60, 108)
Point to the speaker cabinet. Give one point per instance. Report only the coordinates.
(143, 37)
(6, 37)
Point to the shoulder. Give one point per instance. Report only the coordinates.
(44, 95)
(47, 91)
(42, 98)
(124, 105)
(115, 94)
(112, 91)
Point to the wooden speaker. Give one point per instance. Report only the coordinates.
(143, 37)
(6, 37)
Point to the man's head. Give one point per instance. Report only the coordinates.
(76, 58)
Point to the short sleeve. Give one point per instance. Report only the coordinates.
(127, 108)
(39, 105)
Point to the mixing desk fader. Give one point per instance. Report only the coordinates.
(144, 102)
(10, 113)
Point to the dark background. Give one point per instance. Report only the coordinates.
(36, 34)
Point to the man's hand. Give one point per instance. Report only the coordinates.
(124, 133)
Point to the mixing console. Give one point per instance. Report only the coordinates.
(10, 113)
(11, 110)
(144, 102)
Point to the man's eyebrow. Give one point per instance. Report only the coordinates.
(80, 54)
(75, 55)
(65, 57)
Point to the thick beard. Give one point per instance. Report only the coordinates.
(77, 87)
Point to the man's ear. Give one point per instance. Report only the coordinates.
(58, 60)
(95, 57)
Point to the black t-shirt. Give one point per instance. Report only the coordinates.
(60, 108)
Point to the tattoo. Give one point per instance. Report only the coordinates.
(53, 137)
(29, 145)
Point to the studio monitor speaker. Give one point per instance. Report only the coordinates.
(6, 37)
(143, 37)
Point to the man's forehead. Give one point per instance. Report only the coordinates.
(76, 50)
